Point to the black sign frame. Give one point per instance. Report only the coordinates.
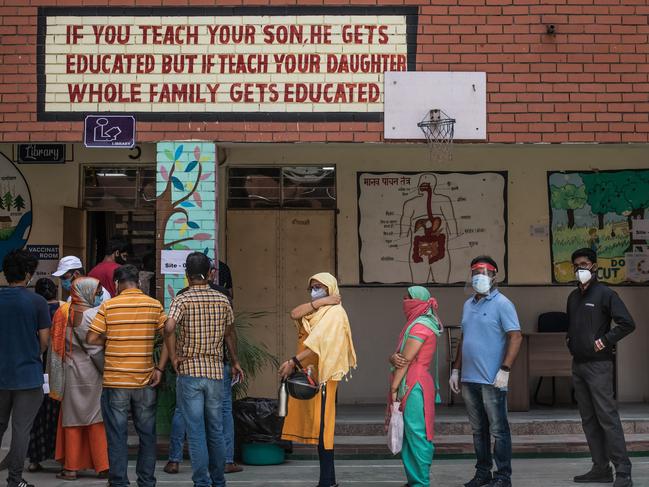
(40, 153)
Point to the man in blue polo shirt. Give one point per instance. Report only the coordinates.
(491, 339)
(25, 332)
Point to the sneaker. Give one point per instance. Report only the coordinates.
(596, 475)
(500, 482)
(478, 481)
(623, 480)
(20, 483)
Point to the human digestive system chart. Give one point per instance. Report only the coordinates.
(424, 228)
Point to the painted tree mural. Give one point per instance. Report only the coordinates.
(570, 198)
(186, 201)
(8, 200)
(624, 193)
(19, 203)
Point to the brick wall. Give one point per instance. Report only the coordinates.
(587, 83)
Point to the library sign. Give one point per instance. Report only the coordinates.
(237, 63)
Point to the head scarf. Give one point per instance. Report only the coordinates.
(420, 309)
(69, 314)
(83, 292)
(330, 335)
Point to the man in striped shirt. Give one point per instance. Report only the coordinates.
(128, 324)
(205, 319)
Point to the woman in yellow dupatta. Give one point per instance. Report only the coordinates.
(325, 345)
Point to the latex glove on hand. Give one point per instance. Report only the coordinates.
(502, 379)
(454, 381)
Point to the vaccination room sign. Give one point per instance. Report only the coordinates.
(235, 61)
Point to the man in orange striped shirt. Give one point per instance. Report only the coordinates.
(128, 324)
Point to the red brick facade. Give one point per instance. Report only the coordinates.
(586, 83)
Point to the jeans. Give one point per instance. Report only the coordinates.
(115, 406)
(200, 403)
(22, 406)
(177, 437)
(487, 409)
(228, 420)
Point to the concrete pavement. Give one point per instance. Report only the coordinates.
(368, 473)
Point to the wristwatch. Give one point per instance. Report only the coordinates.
(505, 368)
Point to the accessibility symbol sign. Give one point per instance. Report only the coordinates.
(110, 131)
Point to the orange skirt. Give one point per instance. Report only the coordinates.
(82, 447)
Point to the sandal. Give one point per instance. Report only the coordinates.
(103, 474)
(67, 475)
(34, 467)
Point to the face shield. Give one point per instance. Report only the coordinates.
(481, 279)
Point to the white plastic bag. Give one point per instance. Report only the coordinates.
(395, 429)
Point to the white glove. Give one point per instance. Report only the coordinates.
(454, 381)
(502, 378)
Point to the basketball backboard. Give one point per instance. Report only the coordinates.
(410, 95)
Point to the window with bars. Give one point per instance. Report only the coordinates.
(107, 188)
(306, 187)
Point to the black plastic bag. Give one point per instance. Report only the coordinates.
(256, 420)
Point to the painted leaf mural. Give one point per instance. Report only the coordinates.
(178, 153)
(184, 223)
(177, 183)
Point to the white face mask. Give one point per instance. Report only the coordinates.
(583, 275)
(481, 283)
(318, 293)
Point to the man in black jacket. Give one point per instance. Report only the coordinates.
(591, 341)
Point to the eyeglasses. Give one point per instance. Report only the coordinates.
(315, 287)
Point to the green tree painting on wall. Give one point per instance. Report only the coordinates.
(8, 200)
(19, 203)
(570, 198)
(625, 193)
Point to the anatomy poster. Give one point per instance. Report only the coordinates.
(606, 211)
(425, 228)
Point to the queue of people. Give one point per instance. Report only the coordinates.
(100, 369)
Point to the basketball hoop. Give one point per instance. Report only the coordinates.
(438, 128)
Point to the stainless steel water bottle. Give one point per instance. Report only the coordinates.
(282, 400)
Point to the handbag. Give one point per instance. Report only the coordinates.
(97, 359)
(395, 429)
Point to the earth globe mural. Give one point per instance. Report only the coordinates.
(15, 208)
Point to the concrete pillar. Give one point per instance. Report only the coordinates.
(186, 206)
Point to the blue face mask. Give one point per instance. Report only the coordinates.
(318, 293)
(66, 284)
(98, 300)
(481, 283)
